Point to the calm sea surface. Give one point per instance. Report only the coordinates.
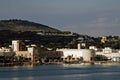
(62, 72)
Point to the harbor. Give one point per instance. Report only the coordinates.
(15, 55)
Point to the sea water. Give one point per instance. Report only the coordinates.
(61, 72)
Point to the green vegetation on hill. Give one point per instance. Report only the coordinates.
(34, 33)
(28, 37)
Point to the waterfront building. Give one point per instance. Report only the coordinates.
(34, 53)
(76, 55)
(51, 56)
(109, 54)
(71, 55)
(31, 54)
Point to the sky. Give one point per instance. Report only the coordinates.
(89, 17)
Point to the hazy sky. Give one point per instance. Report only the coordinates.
(91, 17)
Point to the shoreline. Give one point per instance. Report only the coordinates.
(56, 63)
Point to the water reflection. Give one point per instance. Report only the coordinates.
(22, 78)
(25, 66)
(62, 72)
(107, 64)
(15, 78)
(82, 65)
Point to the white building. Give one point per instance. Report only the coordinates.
(113, 55)
(77, 54)
(107, 50)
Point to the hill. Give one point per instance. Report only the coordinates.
(23, 25)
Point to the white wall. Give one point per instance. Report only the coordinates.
(77, 53)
